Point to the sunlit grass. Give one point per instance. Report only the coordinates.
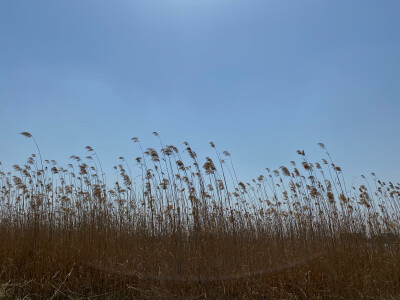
(175, 226)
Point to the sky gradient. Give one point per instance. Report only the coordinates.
(259, 78)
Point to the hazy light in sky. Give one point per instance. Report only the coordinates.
(259, 78)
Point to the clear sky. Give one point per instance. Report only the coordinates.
(259, 78)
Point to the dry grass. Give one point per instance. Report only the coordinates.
(172, 227)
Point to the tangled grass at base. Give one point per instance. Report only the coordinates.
(173, 226)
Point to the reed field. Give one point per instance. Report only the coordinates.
(177, 226)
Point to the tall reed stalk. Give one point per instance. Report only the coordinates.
(176, 226)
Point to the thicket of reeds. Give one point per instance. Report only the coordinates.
(177, 226)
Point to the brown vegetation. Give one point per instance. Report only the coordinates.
(177, 228)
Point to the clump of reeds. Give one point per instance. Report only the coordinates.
(175, 226)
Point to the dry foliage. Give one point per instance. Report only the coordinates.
(175, 227)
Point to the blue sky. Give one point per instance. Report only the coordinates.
(259, 78)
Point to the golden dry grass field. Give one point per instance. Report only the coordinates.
(175, 227)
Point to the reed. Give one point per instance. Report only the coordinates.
(176, 226)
